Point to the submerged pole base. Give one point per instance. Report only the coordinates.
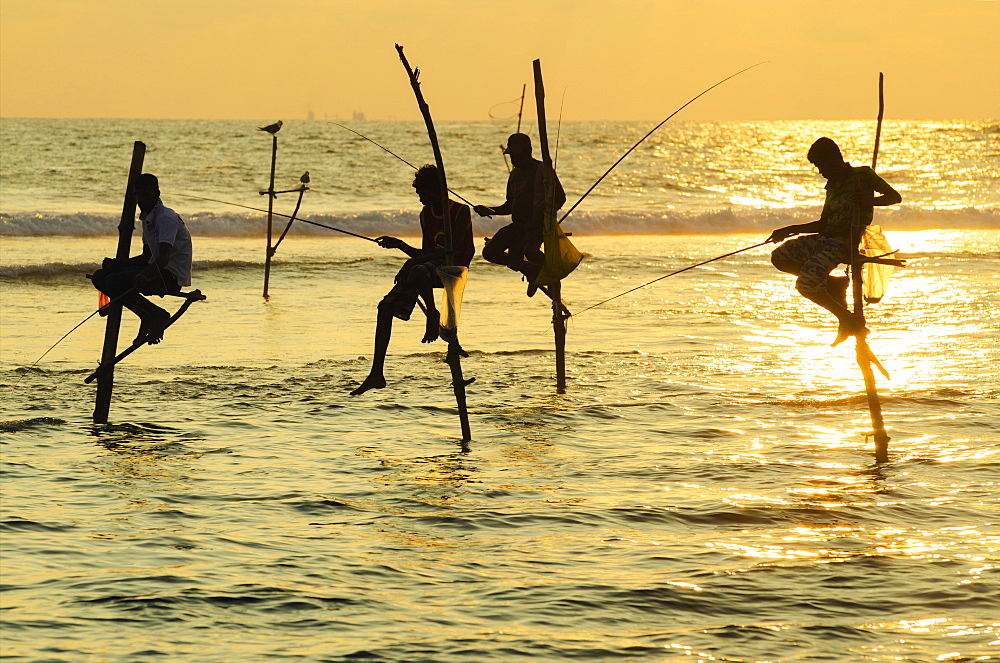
(882, 447)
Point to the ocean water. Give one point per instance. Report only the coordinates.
(704, 490)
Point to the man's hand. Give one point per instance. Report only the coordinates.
(781, 234)
(483, 210)
(145, 277)
(387, 242)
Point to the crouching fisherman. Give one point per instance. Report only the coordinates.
(518, 244)
(163, 267)
(418, 276)
(834, 239)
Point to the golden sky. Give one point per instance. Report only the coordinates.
(614, 59)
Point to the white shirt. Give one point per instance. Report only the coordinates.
(163, 226)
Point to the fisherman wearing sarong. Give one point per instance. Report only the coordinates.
(516, 245)
(163, 267)
(418, 276)
(835, 238)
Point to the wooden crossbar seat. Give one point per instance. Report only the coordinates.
(189, 298)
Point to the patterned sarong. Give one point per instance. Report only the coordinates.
(811, 258)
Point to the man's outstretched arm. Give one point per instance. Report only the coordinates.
(499, 210)
(796, 229)
(387, 242)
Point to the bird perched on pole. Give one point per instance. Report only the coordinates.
(272, 128)
(305, 177)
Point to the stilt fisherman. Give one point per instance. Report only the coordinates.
(418, 276)
(517, 245)
(833, 239)
(163, 267)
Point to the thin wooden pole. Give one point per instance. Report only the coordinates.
(520, 111)
(862, 351)
(106, 382)
(455, 351)
(270, 213)
(555, 291)
(881, 110)
(298, 203)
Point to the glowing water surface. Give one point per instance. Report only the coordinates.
(703, 491)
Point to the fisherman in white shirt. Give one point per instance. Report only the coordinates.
(163, 267)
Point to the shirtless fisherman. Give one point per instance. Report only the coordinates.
(516, 245)
(833, 240)
(418, 276)
(163, 267)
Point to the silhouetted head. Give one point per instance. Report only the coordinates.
(147, 191)
(826, 156)
(519, 149)
(428, 186)
(517, 144)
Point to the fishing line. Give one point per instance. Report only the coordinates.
(80, 324)
(257, 209)
(620, 159)
(555, 160)
(360, 135)
(669, 275)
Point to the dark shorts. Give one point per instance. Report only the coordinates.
(513, 242)
(403, 297)
(811, 258)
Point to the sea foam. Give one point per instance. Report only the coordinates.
(394, 222)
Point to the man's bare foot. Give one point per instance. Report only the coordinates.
(151, 328)
(432, 331)
(854, 326)
(530, 271)
(371, 382)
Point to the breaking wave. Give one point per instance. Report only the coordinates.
(394, 222)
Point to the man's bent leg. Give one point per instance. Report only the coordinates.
(397, 303)
(498, 250)
(423, 282)
(837, 286)
(152, 327)
(792, 254)
(120, 284)
(814, 283)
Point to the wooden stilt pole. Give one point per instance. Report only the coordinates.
(555, 291)
(455, 351)
(881, 111)
(559, 318)
(863, 352)
(270, 213)
(106, 382)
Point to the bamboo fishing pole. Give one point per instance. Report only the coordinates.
(386, 149)
(106, 382)
(559, 316)
(455, 351)
(650, 133)
(520, 110)
(862, 351)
